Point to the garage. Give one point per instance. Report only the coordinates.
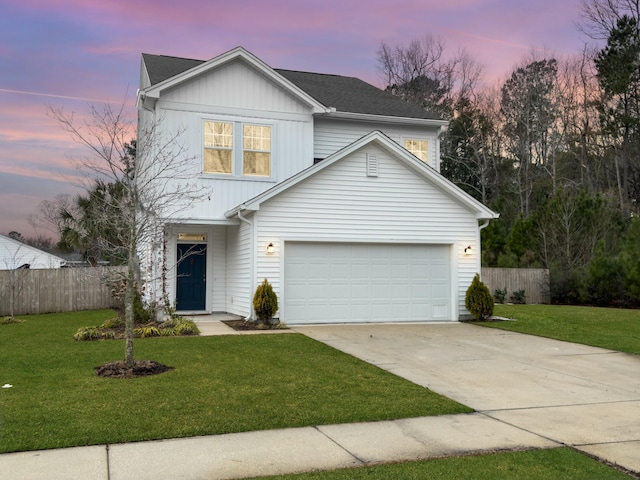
(326, 282)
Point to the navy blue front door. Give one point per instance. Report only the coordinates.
(192, 277)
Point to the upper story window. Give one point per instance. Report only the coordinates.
(420, 148)
(256, 159)
(218, 147)
(236, 148)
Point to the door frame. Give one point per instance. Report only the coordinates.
(202, 246)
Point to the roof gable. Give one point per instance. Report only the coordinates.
(163, 75)
(381, 140)
(327, 93)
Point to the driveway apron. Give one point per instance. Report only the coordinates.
(584, 397)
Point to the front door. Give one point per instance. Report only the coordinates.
(192, 277)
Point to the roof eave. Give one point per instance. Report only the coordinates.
(367, 117)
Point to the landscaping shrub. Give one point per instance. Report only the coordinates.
(519, 297)
(114, 322)
(144, 332)
(478, 300)
(8, 320)
(500, 295)
(88, 333)
(265, 302)
(186, 327)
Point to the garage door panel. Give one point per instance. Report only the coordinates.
(342, 282)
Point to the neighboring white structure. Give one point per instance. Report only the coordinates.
(325, 185)
(15, 254)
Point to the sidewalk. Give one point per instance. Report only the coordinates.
(274, 452)
(529, 392)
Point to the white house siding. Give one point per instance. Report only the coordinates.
(292, 151)
(342, 204)
(239, 266)
(332, 135)
(235, 86)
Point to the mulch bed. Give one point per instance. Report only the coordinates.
(245, 325)
(141, 368)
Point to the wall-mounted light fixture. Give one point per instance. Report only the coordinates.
(270, 249)
(468, 251)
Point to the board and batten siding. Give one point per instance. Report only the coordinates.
(342, 204)
(332, 135)
(236, 86)
(291, 152)
(235, 93)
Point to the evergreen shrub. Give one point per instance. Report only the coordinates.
(265, 302)
(478, 300)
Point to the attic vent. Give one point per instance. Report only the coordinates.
(372, 165)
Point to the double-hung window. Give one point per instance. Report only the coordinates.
(237, 149)
(420, 148)
(218, 147)
(256, 155)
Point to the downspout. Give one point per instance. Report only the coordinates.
(484, 225)
(252, 251)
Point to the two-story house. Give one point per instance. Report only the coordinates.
(324, 185)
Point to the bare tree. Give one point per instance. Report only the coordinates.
(149, 179)
(600, 17)
(419, 73)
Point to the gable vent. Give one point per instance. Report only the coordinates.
(372, 165)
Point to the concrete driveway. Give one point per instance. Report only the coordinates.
(584, 397)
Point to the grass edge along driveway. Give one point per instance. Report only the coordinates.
(220, 384)
(610, 328)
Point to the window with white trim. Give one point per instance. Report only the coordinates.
(237, 148)
(256, 140)
(218, 147)
(420, 148)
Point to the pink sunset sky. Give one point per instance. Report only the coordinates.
(75, 53)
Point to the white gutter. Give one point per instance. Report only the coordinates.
(485, 224)
(368, 117)
(252, 250)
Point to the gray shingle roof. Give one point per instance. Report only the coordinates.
(345, 94)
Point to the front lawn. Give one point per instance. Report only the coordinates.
(218, 385)
(612, 328)
(552, 464)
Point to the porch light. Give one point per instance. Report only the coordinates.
(270, 249)
(468, 251)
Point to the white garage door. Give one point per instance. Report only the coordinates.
(349, 282)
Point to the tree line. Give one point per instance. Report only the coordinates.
(554, 148)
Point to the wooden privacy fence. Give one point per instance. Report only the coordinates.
(534, 282)
(57, 290)
(73, 289)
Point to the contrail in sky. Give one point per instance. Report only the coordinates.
(39, 94)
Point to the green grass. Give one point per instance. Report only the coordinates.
(553, 464)
(219, 385)
(612, 328)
